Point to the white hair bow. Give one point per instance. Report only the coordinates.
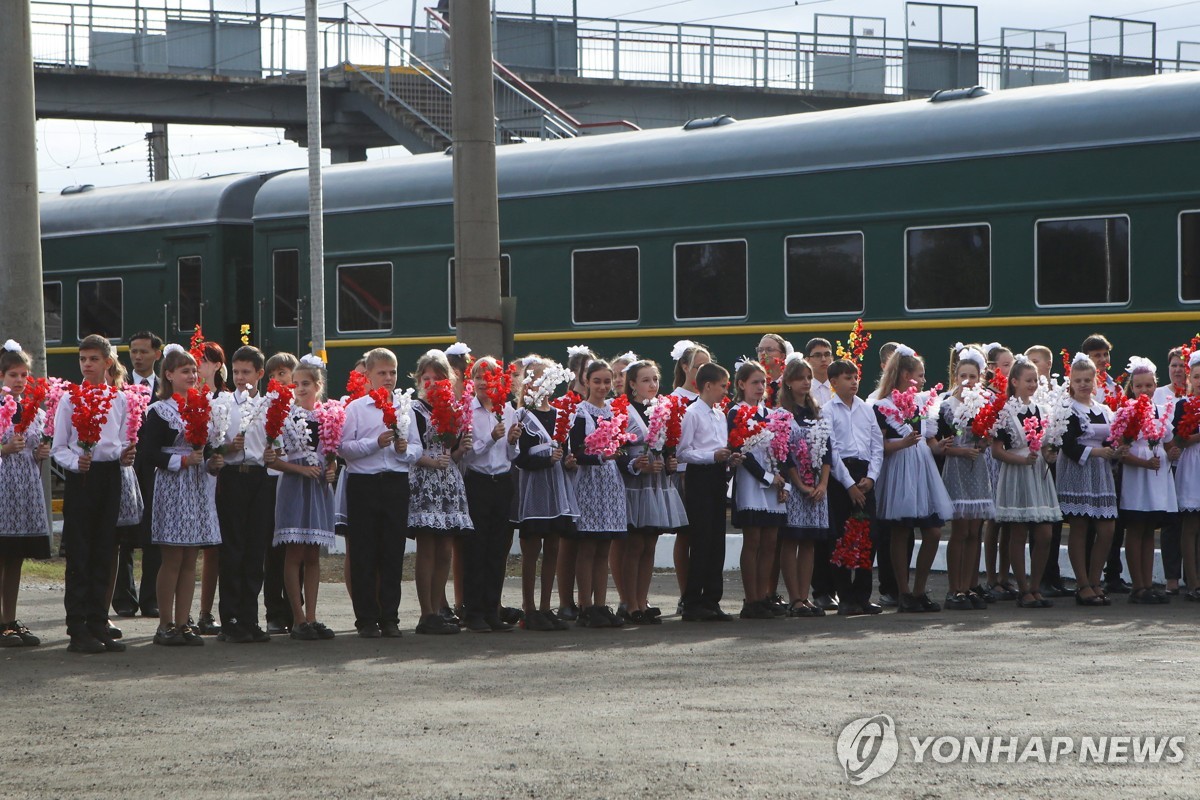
(1139, 364)
(628, 357)
(905, 350)
(1080, 358)
(738, 362)
(1194, 359)
(12, 346)
(172, 348)
(988, 348)
(458, 349)
(578, 350)
(793, 356)
(681, 347)
(973, 356)
(312, 361)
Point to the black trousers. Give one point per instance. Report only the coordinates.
(1052, 575)
(485, 552)
(705, 504)
(127, 595)
(377, 511)
(90, 507)
(246, 511)
(275, 599)
(853, 586)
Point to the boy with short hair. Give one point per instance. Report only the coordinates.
(377, 464)
(245, 507)
(1042, 358)
(818, 353)
(856, 445)
(704, 447)
(91, 503)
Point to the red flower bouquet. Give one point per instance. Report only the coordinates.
(1130, 417)
(383, 401)
(196, 345)
(853, 550)
(356, 385)
(1189, 423)
(499, 382)
(278, 407)
(90, 411)
(856, 344)
(674, 423)
(195, 411)
(565, 406)
(444, 412)
(746, 429)
(36, 391)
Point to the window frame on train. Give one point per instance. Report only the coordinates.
(1190, 212)
(79, 334)
(745, 284)
(862, 275)
(1075, 283)
(451, 303)
(907, 265)
(616, 289)
(46, 311)
(276, 297)
(391, 294)
(179, 304)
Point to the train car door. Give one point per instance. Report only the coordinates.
(282, 294)
(191, 281)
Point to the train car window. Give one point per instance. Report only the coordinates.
(505, 286)
(604, 285)
(191, 292)
(710, 280)
(824, 274)
(1189, 256)
(52, 305)
(1083, 261)
(948, 267)
(364, 297)
(100, 307)
(285, 280)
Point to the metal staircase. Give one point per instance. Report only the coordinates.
(417, 94)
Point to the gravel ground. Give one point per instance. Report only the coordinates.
(745, 709)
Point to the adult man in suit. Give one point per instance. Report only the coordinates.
(145, 349)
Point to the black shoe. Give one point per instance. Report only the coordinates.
(629, 618)
(1054, 590)
(125, 612)
(755, 609)
(86, 643)
(826, 603)
(654, 611)
(614, 621)
(168, 637)
(537, 621)
(257, 634)
(1118, 586)
(496, 624)
(235, 634)
(150, 612)
(391, 630)
(208, 626)
(928, 605)
(304, 632)
(588, 618)
(111, 632)
(719, 616)
(559, 623)
(569, 613)
(277, 628)
(366, 632)
(805, 610)
(909, 604)
(323, 631)
(191, 637)
(450, 616)
(982, 593)
(476, 624)
(888, 600)
(978, 601)
(105, 637)
(958, 602)
(850, 610)
(18, 629)
(697, 614)
(870, 608)
(511, 616)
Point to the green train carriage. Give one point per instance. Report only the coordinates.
(1028, 216)
(156, 256)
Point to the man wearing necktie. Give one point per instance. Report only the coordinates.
(145, 350)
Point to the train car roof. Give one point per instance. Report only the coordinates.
(161, 204)
(1036, 119)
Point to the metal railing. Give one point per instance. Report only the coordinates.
(164, 35)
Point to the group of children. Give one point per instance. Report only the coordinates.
(590, 463)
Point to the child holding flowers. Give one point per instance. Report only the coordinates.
(1186, 425)
(597, 438)
(304, 498)
(808, 502)
(23, 531)
(438, 507)
(759, 485)
(965, 474)
(910, 493)
(1148, 497)
(183, 512)
(1026, 499)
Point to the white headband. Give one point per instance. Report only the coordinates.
(988, 348)
(905, 350)
(12, 346)
(681, 347)
(1138, 364)
(173, 348)
(629, 357)
(312, 361)
(972, 355)
(1194, 359)
(630, 365)
(1081, 358)
(793, 356)
(458, 349)
(738, 362)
